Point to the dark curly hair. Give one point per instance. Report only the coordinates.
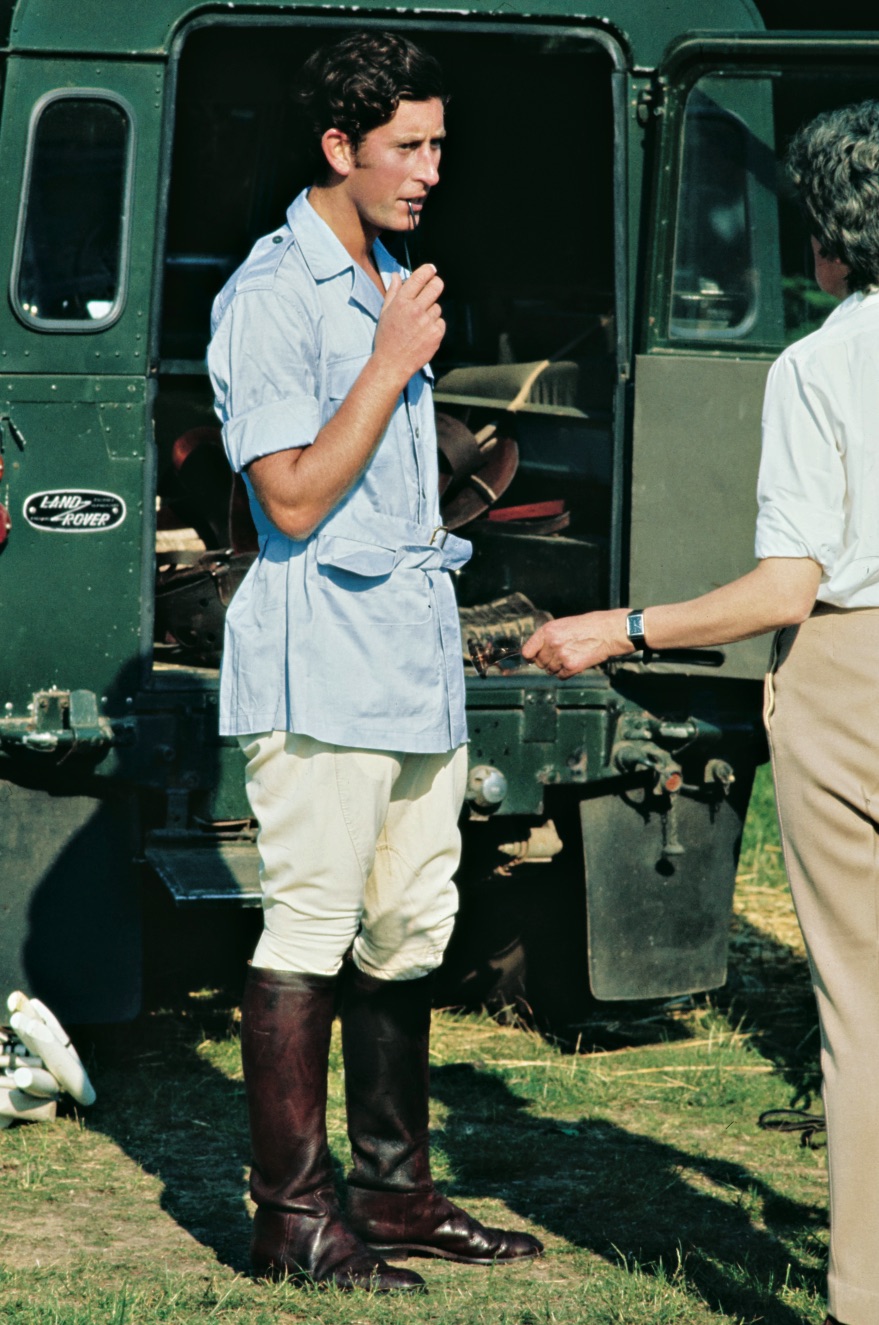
(833, 162)
(357, 84)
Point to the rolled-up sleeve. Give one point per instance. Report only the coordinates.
(263, 361)
(801, 485)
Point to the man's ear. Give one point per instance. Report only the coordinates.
(338, 151)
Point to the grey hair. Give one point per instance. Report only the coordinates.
(833, 163)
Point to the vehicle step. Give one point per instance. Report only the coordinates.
(221, 872)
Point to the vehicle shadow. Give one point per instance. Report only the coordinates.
(631, 1199)
(178, 1110)
(768, 993)
(179, 1117)
(720, 1229)
(767, 997)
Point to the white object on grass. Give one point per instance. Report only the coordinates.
(62, 1060)
(16, 1104)
(36, 1081)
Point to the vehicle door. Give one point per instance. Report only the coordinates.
(79, 147)
(729, 285)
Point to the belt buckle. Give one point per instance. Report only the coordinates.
(440, 529)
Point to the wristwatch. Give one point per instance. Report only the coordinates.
(635, 633)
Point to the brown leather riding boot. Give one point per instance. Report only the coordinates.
(392, 1202)
(298, 1230)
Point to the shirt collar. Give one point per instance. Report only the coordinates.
(851, 303)
(326, 255)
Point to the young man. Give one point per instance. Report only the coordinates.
(342, 678)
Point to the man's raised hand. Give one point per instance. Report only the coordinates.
(411, 327)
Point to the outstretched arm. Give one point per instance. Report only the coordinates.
(297, 488)
(780, 591)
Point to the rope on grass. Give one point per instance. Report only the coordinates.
(795, 1120)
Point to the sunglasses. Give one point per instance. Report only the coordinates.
(485, 653)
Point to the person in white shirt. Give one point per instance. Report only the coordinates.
(817, 584)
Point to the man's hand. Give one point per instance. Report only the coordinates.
(571, 644)
(411, 327)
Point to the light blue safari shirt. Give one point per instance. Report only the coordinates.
(351, 635)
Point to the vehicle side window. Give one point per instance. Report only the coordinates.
(69, 272)
(714, 292)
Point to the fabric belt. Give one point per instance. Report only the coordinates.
(350, 538)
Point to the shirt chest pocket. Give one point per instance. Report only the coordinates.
(343, 373)
(341, 376)
(363, 586)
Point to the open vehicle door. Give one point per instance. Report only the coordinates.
(729, 284)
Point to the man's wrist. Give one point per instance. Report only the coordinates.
(384, 369)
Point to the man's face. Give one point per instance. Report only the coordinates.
(396, 166)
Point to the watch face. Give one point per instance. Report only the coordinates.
(635, 624)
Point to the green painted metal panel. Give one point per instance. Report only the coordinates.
(70, 596)
(73, 609)
(131, 27)
(696, 451)
(122, 348)
(70, 924)
(538, 745)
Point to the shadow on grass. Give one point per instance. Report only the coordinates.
(177, 1116)
(180, 1119)
(715, 1225)
(768, 997)
(711, 1223)
(769, 993)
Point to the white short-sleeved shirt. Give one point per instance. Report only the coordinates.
(350, 636)
(818, 489)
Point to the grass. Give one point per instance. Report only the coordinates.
(639, 1163)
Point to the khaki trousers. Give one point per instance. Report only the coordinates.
(357, 847)
(822, 715)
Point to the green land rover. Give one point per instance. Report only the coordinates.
(621, 266)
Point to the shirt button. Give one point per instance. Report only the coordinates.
(277, 239)
(417, 432)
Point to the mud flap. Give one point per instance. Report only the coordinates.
(658, 923)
